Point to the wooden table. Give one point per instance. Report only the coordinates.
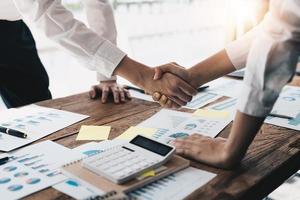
(272, 158)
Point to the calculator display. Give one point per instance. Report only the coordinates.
(151, 145)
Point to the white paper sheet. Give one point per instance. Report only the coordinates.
(202, 99)
(226, 87)
(167, 188)
(140, 95)
(34, 168)
(289, 190)
(36, 122)
(174, 124)
(78, 189)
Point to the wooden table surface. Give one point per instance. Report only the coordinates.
(272, 157)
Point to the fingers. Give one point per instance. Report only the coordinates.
(157, 73)
(105, 93)
(116, 94)
(127, 94)
(94, 93)
(156, 96)
(187, 89)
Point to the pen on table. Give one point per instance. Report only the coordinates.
(280, 116)
(4, 160)
(200, 89)
(13, 132)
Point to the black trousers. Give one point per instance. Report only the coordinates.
(23, 78)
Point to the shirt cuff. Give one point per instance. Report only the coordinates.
(107, 58)
(101, 77)
(256, 102)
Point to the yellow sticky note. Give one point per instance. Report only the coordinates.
(150, 173)
(134, 131)
(93, 133)
(209, 113)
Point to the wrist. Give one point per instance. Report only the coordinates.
(134, 72)
(196, 78)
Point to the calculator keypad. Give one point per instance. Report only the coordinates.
(119, 163)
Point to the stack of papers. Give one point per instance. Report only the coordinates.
(36, 122)
(34, 168)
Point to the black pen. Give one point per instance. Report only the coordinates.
(200, 89)
(13, 132)
(4, 160)
(280, 116)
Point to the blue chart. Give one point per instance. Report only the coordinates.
(4, 180)
(15, 188)
(160, 133)
(21, 174)
(33, 181)
(10, 168)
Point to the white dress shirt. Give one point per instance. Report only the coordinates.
(95, 48)
(270, 54)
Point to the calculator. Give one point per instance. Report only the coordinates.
(129, 160)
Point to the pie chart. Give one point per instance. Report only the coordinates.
(15, 188)
(21, 174)
(10, 168)
(4, 180)
(33, 181)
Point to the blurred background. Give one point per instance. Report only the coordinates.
(154, 32)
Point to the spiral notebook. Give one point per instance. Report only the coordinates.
(75, 169)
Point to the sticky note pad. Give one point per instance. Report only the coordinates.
(93, 133)
(209, 113)
(134, 130)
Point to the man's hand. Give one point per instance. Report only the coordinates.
(175, 69)
(203, 149)
(173, 87)
(141, 75)
(105, 88)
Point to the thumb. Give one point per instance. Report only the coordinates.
(158, 73)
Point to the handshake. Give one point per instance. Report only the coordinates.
(176, 85)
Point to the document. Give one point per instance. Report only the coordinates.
(166, 119)
(210, 113)
(289, 190)
(34, 168)
(226, 87)
(36, 122)
(188, 180)
(140, 95)
(174, 124)
(93, 133)
(202, 99)
(78, 188)
(133, 131)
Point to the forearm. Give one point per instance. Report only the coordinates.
(243, 131)
(211, 68)
(135, 72)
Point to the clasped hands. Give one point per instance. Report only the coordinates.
(186, 86)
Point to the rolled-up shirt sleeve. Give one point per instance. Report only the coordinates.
(59, 25)
(238, 50)
(101, 20)
(272, 58)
